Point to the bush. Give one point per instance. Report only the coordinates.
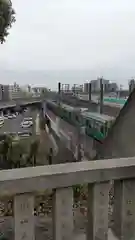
(7, 18)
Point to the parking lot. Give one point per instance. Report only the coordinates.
(14, 124)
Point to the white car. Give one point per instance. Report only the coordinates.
(11, 116)
(29, 119)
(6, 116)
(26, 124)
(25, 134)
(1, 121)
(14, 115)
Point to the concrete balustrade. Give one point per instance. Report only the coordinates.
(25, 183)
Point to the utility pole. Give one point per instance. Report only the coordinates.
(101, 95)
(59, 92)
(89, 92)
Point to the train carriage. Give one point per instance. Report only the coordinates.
(97, 125)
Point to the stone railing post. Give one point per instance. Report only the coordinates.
(117, 208)
(24, 217)
(124, 219)
(63, 214)
(98, 199)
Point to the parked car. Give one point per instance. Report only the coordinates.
(28, 119)
(1, 121)
(26, 124)
(25, 134)
(11, 116)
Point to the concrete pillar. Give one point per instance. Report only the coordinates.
(63, 214)
(70, 141)
(37, 125)
(98, 200)
(128, 210)
(44, 108)
(57, 125)
(124, 209)
(117, 208)
(24, 217)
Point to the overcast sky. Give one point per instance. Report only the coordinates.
(96, 35)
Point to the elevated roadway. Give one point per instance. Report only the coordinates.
(20, 102)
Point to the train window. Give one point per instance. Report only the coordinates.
(87, 122)
(102, 129)
(92, 123)
(106, 128)
(77, 118)
(70, 115)
(95, 125)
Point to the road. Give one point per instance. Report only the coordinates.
(13, 125)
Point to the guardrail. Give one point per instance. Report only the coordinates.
(25, 183)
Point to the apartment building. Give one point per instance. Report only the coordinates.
(107, 85)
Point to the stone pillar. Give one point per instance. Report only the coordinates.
(24, 217)
(98, 199)
(124, 218)
(63, 214)
(117, 208)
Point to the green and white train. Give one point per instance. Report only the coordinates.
(96, 125)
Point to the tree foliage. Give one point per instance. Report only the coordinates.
(33, 152)
(7, 18)
(20, 153)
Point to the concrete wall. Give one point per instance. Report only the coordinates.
(120, 141)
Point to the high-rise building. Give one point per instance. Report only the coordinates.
(86, 87)
(4, 92)
(107, 85)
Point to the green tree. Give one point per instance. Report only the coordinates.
(5, 151)
(13, 154)
(33, 152)
(7, 18)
